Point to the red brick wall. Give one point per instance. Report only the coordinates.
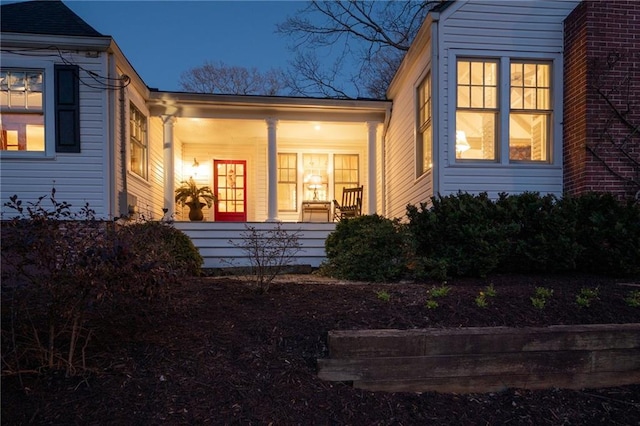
(602, 75)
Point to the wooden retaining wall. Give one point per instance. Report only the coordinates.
(484, 359)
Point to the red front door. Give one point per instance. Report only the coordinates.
(230, 184)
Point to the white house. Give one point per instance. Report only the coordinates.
(477, 105)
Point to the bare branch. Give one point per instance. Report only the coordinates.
(368, 37)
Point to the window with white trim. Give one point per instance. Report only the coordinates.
(22, 110)
(479, 110)
(287, 182)
(424, 143)
(138, 144)
(346, 172)
(530, 115)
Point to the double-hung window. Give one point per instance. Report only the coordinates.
(22, 110)
(481, 133)
(530, 115)
(138, 146)
(424, 147)
(287, 182)
(477, 113)
(346, 172)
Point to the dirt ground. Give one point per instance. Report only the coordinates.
(222, 353)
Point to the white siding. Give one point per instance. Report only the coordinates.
(218, 242)
(514, 29)
(402, 185)
(79, 178)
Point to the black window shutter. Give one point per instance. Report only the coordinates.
(67, 101)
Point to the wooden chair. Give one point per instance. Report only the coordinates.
(351, 205)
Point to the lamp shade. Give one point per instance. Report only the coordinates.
(315, 182)
(462, 144)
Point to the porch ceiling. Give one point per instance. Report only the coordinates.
(208, 130)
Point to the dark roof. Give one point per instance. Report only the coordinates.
(44, 17)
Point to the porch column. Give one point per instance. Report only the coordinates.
(272, 170)
(168, 164)
(372, 128)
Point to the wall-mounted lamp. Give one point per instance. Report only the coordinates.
(195, 166)
(462, 144)
(315, 183)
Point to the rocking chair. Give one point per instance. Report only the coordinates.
(351, 205)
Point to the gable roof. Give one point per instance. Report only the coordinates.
(44, 17)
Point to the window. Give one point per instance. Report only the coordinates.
(530, 115)
(21, 104)
(424, 148)
(479, 110)
(315, 171)
(346, 172)
(138, 136)
(287, 182)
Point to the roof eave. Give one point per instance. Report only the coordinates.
(28, 40)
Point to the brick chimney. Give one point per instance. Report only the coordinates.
(602, 98)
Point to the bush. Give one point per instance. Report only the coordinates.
(463, 232)
(59, 267)
(270, 252)
(609, 233)
(544, 233)
(366, 248)
(472, 235)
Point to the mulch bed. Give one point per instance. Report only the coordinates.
(222, 353)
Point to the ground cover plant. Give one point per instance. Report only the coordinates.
(223, 352)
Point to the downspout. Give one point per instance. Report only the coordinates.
(435, 78)
(383, 161)
(111, 141)
(123, 202)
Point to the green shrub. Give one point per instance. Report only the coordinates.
(465, 234)
(543, 238)
(366, 248)
(460, 231)
(173, 245)
(609, 233)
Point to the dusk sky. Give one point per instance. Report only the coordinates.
(162, 39)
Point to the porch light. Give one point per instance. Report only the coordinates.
(195, 166)
(462, 144)
(315, 183)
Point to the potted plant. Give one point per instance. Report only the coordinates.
(196, 198)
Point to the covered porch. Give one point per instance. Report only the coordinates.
(267, 157)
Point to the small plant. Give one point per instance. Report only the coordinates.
(188, 194)
(441, 291)
(383, 295)
(633, 299)
(431, 304)
(269, 251)
(436, 292)
(491, 291)
(481, 300)
(587, 296)
(540, 297)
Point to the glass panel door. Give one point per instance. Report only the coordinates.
(229, 181)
